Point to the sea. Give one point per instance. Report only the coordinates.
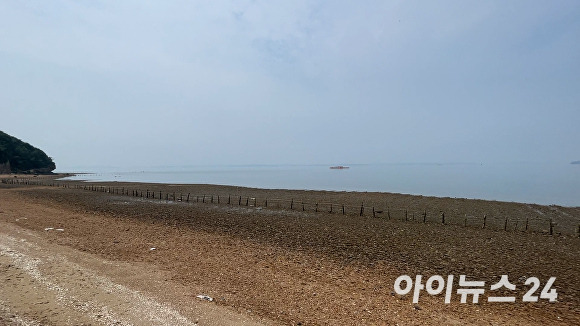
(539, 183)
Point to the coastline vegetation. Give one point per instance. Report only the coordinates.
(17, 156)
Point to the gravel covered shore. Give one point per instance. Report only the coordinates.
(300, 266)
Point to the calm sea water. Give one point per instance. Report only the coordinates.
(541, 183)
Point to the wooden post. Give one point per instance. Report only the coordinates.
(405, 215)
(240, 201)
(256, 203)
(527, 223)
(316, 208)
(425, 216)
(292, 203)
(211, 199)
(229, 199)
(330, 208)
(188, 197)
(374, 212)
(578, 230)
(505, 224)
(465, 221)
(247, 201)
(173, 196)
(362, 208)
(343, 209)
(147, 193)
(266, 203)
(218, 199)
(303, 206)
(442, 217)
(484, 221)
(203, 200)
(551, 227)
(388, 213)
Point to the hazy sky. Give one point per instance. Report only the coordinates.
(124, 83)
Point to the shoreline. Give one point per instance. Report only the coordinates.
(65, 175)
(493, 191)
(460, 211)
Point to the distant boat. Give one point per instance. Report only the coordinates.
(339, 167)
(575, 162)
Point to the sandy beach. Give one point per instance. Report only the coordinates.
(72, 256)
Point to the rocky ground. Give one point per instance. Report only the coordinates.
(262, 265)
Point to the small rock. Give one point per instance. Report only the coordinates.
(204, 297)
(417, 307)
(152, 248)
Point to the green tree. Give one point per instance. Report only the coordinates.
(22, 156)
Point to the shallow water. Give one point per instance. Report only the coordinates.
(541, 183)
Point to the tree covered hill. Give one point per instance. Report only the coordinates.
(20, 157)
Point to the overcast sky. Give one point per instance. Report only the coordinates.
(126, 83)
